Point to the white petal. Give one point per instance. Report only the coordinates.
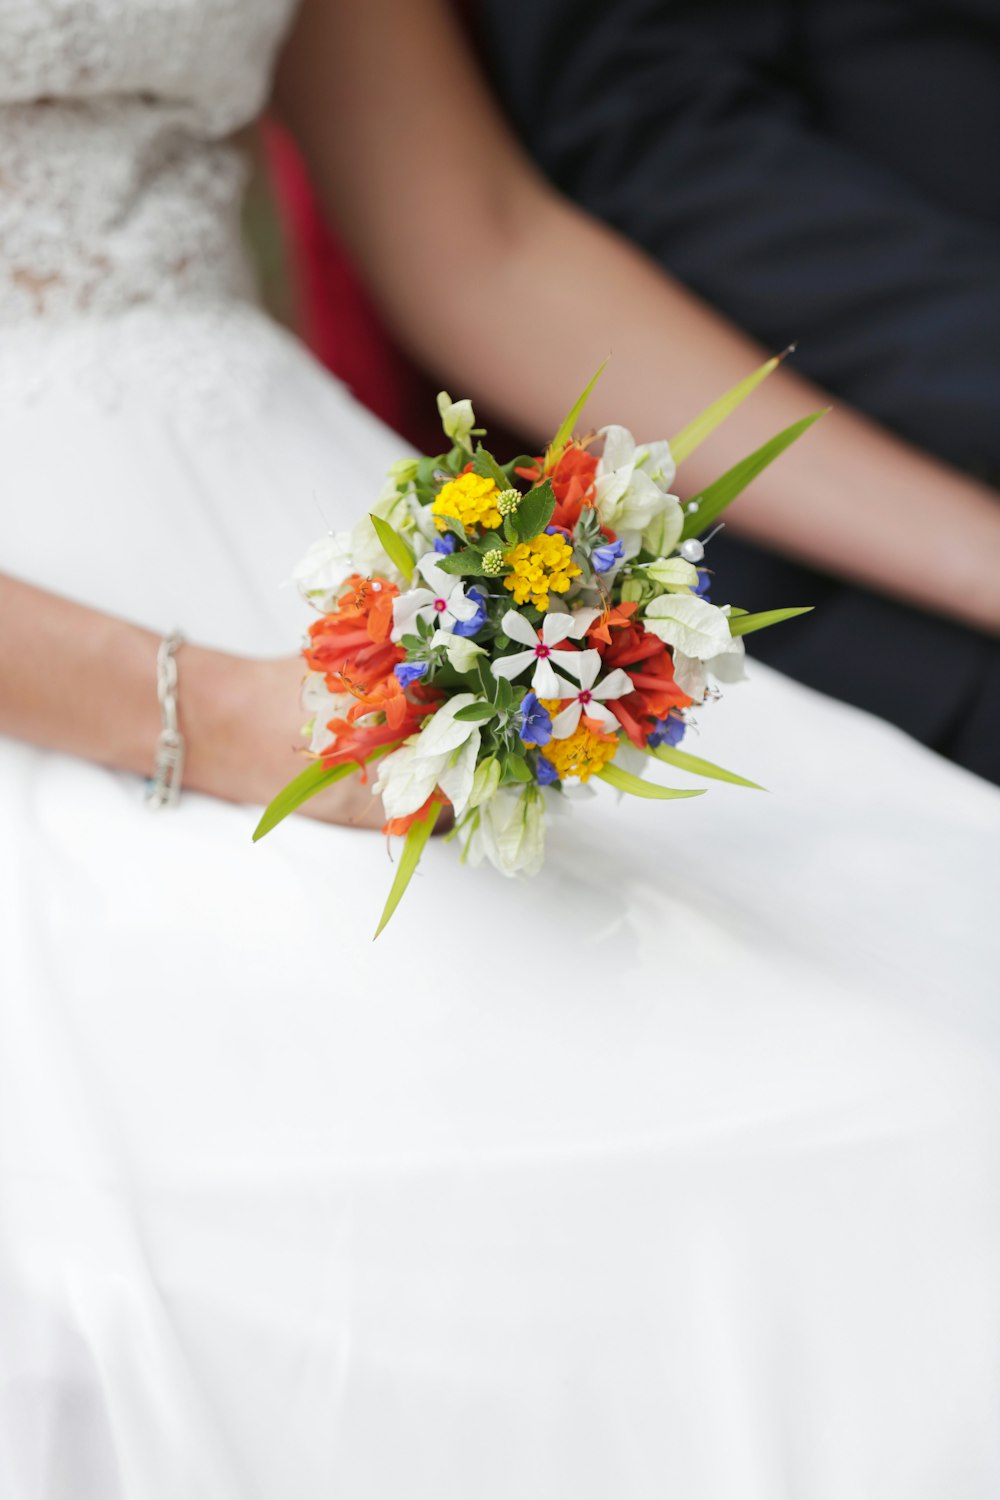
(517, 627)
(512, 666)
(405, 609)
(324, 568)
(512, 831)
(608, 491)
(441, 583)
(664, 530)
(578, 664)
(443, 733)
(657, 461)
(619, 449)
(689, 624)
(641, 502)
(674, 573)
(689, 675)
(582, 620)
(617, 684)
(566, 720)
(588, 667)
(460, 606)
(595, 710)
(548, 684)
(461, 651)
(457, 777)
(566, 661)
(457, 419)
(405, 780)
(556, 628)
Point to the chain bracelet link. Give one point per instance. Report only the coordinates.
(164, 787)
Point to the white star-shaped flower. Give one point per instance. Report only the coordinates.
(542, 652)
(444, 601)
(588, 700)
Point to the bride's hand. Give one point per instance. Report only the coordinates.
(242, 723)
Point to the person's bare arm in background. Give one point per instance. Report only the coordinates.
(512, 294)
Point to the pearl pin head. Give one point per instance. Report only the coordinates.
(692, 550)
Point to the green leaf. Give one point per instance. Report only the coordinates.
(399, 552)
(315, 778)
(413, 847)
(486, 465)
(694, 434)
(565, 432)
(308, 782)
(487, 679)
(476, 713)
(465, 564)
(534, 512)
(713, 500)
(517, 768)
(698, 767)
(454, 525)
(522, 461)
(747, 624)
(426, 468)
(624, 781)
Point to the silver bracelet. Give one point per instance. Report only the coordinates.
(164, 786)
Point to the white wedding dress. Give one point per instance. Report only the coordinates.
(674, 1172)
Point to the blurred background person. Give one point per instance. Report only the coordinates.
(822, 171)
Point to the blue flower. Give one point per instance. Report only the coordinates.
(408, 671)
(668, 731)
(445, 543)
(536, 721)
(701, 588)
(545, 771)
(469, 627)
(604, 557)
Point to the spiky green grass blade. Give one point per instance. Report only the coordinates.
(413, 847)
(713, 500)
(704, 424)
(698, 767)
(747, 624)
(624, 781)
(315, 778)
(565, 432)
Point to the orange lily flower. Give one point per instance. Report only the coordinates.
(351, 645)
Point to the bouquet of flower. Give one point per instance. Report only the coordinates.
(494, 636)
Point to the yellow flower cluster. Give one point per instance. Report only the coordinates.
(470, 499)
(543, 564)
(581, 753)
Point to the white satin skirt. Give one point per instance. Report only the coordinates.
(673, 1172)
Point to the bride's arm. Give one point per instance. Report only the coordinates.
(76, 680)
(510, 292)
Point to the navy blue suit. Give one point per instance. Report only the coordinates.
(826, 170)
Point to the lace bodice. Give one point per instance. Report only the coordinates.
(120, 184)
